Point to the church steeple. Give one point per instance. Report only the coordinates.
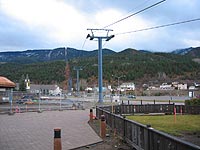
(27, 82)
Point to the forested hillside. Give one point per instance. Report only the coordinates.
(135, 65)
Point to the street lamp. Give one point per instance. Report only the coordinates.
(118, 77)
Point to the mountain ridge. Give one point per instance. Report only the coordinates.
(45, 55)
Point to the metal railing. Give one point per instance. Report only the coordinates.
(142, 137)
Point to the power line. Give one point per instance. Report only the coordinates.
(129, 16)
(83, 44)
(132, 11)
(161, 26)
(135, 13)
(138, 6)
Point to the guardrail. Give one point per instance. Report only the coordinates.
(142, 137)
(22, 108)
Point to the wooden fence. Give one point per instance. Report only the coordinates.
(153, 108)
(143, 137)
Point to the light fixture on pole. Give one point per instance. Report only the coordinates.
(118, 77)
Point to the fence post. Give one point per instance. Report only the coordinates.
(124, 126)
(103, 127)
(57, 139)
(141, 102)
(147, 138)
(181, 111)
(174, 114)
(120, 109)
(91, 115)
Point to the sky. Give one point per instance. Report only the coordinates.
(48, 24)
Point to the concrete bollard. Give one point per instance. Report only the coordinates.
(103, 127)
(91, 115)
(57, 139)
(17, 109)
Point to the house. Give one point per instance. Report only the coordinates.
(6, 83)
(6, 90)
(153, 88)
(166, 86)
(45, 89)
(175, 84)
(182, 86)
(197, 85)
(127, 86)
(88, 89)
(192, 88)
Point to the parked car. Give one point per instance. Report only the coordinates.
(5, 99)
(27, 99)
(131, 96)
(29, 102)
(21, 101)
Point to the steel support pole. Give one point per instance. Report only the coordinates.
(100, 38)
(100, 69)
(11, 100)
(77, 82)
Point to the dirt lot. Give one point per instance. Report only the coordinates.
(191, 137)
(111, 142)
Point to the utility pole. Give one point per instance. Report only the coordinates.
(100, 38)
(77, 68)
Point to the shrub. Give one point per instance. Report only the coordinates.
(194, 101)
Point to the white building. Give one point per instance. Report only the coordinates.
(197, 85)
(182, 86)
(166, 86)
(127, 86)
(45, 89)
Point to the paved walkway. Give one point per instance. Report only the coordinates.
(35, 131)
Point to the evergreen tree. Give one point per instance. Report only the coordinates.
(22, 85)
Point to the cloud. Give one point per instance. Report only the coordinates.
(53, 16)
(14, 36)
(26, 24)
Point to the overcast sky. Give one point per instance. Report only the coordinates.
(39, 24)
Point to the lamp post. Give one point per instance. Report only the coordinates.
(39, 107)
(118, 77)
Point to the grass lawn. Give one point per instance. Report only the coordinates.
(166, 123)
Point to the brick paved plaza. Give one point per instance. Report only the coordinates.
(35, 131)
